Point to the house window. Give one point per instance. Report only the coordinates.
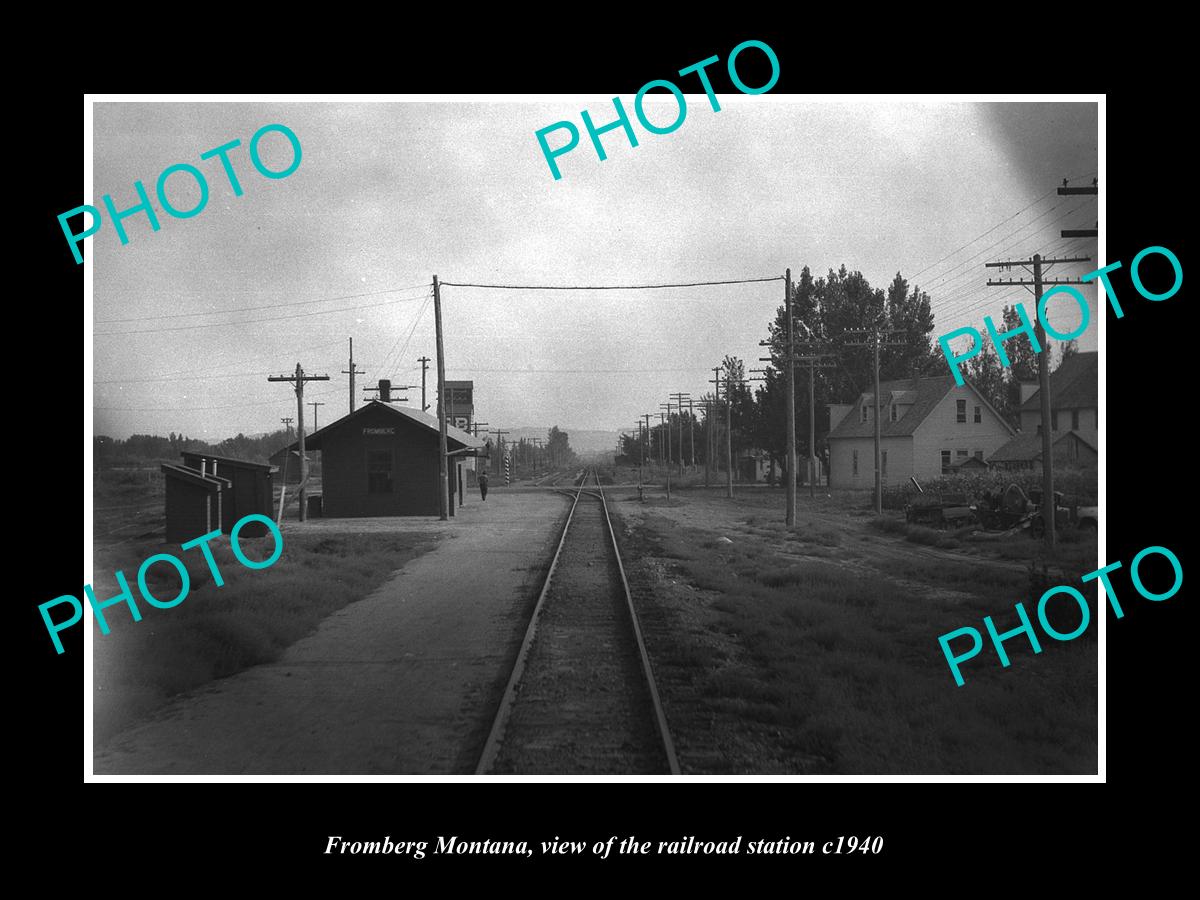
(854, 461)
(962, 411)
(1075, 419)
(962, 456)
(864, 413)
(883, 454)
(978, 415)
(979, 455)
(893, 412)
(379, 471)
(945, 462)
(1054, 420)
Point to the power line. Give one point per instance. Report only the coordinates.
(186, 409)
(214, 312)
(319, 312)
(605, 287)
(171, 376)
(990, 230)
(985, 234)
(392, 356)
(952, 295)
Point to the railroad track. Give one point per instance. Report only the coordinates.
(581, 698)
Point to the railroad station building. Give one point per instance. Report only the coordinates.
(382, 460)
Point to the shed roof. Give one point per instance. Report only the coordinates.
(211, 483)
(923, 393)
(225, 460)
(1074, 384)
(456, 438)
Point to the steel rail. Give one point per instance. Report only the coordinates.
(664, 732)
(492, 746)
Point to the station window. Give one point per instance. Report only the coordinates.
(864, 413)
(883, 456)
(945, 462)
(1075, 419)
(893, 412)
(854, 460)
(978, 415)
(962, 411)
(379, 471)
(979, 455)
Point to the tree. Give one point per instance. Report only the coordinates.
(559, 448)
(991, 380)
(909, 313)
(1067, 349)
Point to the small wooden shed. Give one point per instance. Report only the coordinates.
(193, 502)
(250, 491)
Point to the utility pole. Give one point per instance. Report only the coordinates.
(708, 433)
(1037, 263)
(351, 372)
(679, 398)
(814, 360)
(729, 439)
(445, 508)
(875, 337)
(692, 432)
(667, 407)
(648, 450)
(314, 404)
(1079, 232)
(424, 361)
(729, 383)
(641, 449)
(790, 443)
(298, 380)
(499, 433)
(714, 427)
(287, 423)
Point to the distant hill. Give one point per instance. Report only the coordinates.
(581, 441)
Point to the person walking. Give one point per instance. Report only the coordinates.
(483, 484)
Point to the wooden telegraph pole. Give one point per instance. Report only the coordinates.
(790, 443)
(875, 337)
(444, 508)
(679, 398)
(298, 380)
(424, 361)
(314, 404)
(352, 371)
(1048, 502)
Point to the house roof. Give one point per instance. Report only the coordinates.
(1073, 385)
(923, 393)
(1028, 447)
(456, 438)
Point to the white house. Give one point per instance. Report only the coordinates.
(929, 425)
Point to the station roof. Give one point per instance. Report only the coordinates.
(456, 438)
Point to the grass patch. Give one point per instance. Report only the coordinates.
(836, 670)
(218, 631)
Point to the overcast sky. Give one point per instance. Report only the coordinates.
(388, 194)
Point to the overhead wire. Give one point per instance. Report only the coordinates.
(214, 312)
(319, 312)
